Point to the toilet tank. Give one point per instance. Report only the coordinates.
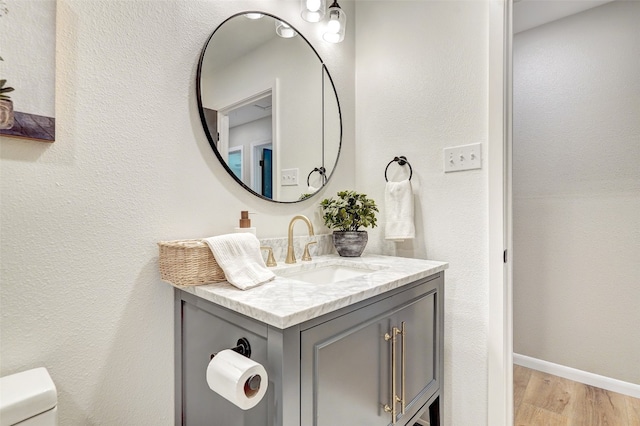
(28, 398)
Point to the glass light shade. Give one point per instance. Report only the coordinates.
(284, 30)
(335, 30)
(253, 15)
(312, 10)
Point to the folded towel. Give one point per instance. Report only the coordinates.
(398, 200)
(239, 257)
(312, 189)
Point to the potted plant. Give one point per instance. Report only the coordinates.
(6, 105)
(346, 215)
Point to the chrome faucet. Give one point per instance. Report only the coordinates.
(291, 257)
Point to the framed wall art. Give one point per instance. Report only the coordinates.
(27, 69)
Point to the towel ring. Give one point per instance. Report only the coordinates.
(402, 160)
(322, 172)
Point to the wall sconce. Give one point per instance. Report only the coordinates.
(334, 33)
(312, 10)
(284, 30)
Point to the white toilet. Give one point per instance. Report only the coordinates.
(28, 398)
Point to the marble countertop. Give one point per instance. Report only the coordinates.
(286, 301)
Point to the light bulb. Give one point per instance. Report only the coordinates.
(333, 25)
(254, 15)
(313, 5)
(312, 10)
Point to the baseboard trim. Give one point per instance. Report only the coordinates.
(580, 376)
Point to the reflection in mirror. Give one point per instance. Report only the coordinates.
(269, 108)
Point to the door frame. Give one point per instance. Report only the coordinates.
(500, 326)
(256, 178)
(223, 112)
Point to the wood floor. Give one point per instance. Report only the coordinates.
(542, 399)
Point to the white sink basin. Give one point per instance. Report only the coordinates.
(327, 273)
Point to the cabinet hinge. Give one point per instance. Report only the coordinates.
(504, 256)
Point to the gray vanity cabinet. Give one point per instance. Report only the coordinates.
(350, 364)
(336, 369)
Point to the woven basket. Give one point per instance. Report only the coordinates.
(188, 262)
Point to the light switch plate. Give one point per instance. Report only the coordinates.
(289, 177)
(464, 157)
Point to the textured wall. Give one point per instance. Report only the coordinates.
(80, 218)
(577, 191)
(421, 71)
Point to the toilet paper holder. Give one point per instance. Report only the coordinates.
(232, 375)
(242, 347)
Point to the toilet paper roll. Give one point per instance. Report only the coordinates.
(237, 378)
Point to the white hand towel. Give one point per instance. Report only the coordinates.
(239, 257)
(312, 189)
(398, 201)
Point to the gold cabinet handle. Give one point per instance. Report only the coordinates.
(394, 397)
(403, 400)
(392, 408)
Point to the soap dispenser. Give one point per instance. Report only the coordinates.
(244, 224)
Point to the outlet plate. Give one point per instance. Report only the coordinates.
(289, 177)
(464, 157)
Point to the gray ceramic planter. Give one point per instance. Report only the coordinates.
(6, 114)
(350, 243)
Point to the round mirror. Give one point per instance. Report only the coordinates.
(269, 107)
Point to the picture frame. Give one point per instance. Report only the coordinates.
(27, 69)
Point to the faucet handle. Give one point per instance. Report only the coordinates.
(271, 261)
(306, 255)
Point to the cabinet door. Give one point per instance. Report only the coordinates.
(416, 355)
(346, 364)
(345, 377)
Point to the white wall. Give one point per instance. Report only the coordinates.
(80, 289)
(577, 191)
(421, 74)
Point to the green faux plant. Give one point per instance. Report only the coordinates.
(349, 212)
(4, 90)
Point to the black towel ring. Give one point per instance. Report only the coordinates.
(322, 172)
(402, 160)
